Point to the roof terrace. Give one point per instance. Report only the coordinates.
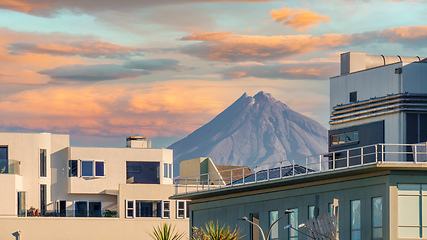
(396, 155)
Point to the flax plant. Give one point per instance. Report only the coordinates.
(216, 231)
(166, 232)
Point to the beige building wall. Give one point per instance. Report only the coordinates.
(38, 228)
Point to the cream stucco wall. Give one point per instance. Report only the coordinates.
(37, 228)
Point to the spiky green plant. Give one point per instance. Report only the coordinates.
(166, 232)
(216, 231)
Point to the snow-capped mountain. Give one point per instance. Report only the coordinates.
(251, 131)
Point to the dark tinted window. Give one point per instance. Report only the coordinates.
(43, 195)
(87, 168)
(148, 209)
(353, 96)
(81, 209)
(3, 153)
(99, 169)
(142, 172)
(3, 160)
(411, 128)
(42, 162)
(72, 166)
(95, 209)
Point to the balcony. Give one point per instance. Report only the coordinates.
(9, 166)
(396, 154)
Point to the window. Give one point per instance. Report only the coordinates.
(412, 216)
(188, 209)
(355, 220)
(254, 217)
(181, 209)
(311, 212)
(353, 97)
(377, 218)
(91, 168)
(43, 162)
(88, 209)
(143, 172)
(293, 220)
(166, 207)
(274, 234)
(4, 162)
(72, 168)
(80, 209)
(342, 138)
(22, 212)
(167, 170)
(43, 199)
(61, 208)
(130, 207)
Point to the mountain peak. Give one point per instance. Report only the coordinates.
(251, 131)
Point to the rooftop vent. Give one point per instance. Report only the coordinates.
(137, 142)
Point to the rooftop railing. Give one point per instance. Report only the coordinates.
(287, 169)
(9, 166)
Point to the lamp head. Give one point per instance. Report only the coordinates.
(243, 218)
(301, 225)
(288, 211)
(287, 226)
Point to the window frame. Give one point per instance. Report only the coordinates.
(343, 138)
(354, 214)
(127, 208)
(166, 210)
(275, 228)
(295, 215)
(373, 228)
(43, 163)
(93, 162)
(178, 209)
(25, 203)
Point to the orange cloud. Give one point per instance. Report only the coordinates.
(23, 6)
(410, 32)
(235, 48)
(299, 19)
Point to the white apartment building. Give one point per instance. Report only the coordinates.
(41, 175)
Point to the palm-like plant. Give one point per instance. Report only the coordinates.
(166, 232)
(216, 231)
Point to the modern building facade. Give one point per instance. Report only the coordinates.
(44, 180)
(375, 170)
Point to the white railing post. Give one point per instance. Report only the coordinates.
(320, 163)
(415, 153)
(361, 156)
(333, 160)
(209, 182)
(231, 183)
(256, 180)
(268, 174)
(306, 165)
(197, 183)
(186, 189)
(382, 152)
(293, 168)
(348, 158)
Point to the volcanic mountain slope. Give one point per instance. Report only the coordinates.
(251, 131)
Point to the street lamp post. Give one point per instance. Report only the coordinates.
(269, 229)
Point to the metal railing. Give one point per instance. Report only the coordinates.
(9, 166)
(348, 158)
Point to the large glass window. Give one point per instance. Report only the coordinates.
(412, 217)
(91, 168)
(22, 204)
(148, 208)
(81, 209)
(377, 218)
(87, 168)
(345, 138)
(4, 162)
(95, 209)
(143, 172)
(43, 199)
(274, 234)
(355, 220)
(293, 220)
(43, 162)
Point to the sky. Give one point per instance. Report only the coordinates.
(104, 70)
